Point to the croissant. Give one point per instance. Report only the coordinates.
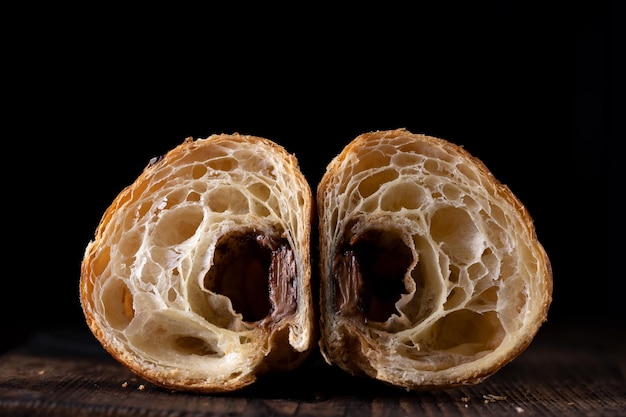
(198, 277)
(431, 272)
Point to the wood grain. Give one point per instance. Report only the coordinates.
(565, 372)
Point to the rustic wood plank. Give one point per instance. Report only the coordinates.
(69, 374)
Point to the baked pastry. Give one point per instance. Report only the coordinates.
(198, 277)
(431, 272)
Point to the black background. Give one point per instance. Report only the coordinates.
(531, 88)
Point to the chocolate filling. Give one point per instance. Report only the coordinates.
(257, 273)
(369, 275)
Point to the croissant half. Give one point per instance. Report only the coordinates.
(198, 277)
(431, 272)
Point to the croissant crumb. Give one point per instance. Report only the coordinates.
(198, 277)
(432, 275)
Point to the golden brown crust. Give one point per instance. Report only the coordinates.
(198, 276)
(431, 272)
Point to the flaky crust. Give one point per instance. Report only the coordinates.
(198, 277)
(431, 272)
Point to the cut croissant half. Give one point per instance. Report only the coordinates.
(431, 272)
(198, 277)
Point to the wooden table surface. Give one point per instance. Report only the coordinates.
(566, 371)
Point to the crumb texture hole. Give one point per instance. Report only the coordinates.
(372, 275)
(405, 195)
(383, 259)
(189, 345)
(119, 301)
(228, 199)
(165, 335)
(177, 225)
(240, 272)
(454, 228)
(467, 332)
